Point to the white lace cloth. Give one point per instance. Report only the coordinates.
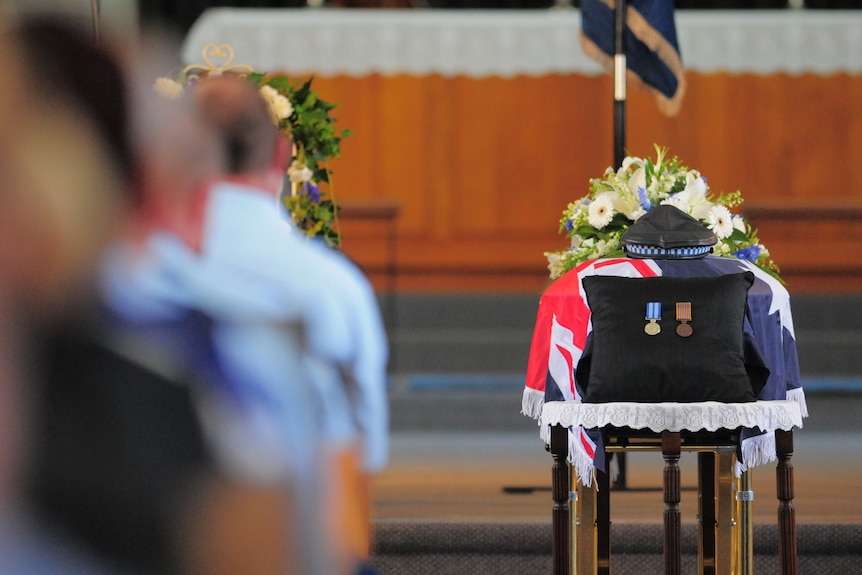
(504, 43)
(708, 415)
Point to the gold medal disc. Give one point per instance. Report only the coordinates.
(652, 328)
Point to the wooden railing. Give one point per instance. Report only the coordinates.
(818, 246)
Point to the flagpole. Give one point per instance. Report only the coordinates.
(619, 82)
(620, 142)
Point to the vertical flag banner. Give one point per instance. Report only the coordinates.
(652, 51)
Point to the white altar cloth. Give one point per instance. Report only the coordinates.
(508, 43)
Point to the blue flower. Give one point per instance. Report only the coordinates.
(644, 198)
(311, 190)
(751, 253)
(570, 225)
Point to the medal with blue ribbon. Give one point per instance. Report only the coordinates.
(683, 315)
(653, 314)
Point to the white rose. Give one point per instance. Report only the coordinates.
(167, 88)
(279, 106)
(299, 173)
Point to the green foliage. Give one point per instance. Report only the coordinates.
(312, 129)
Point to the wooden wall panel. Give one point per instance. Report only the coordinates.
(474, 157)
(482, 168)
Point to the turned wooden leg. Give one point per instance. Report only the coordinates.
(561, 542)
(786, 512)
(670, 449)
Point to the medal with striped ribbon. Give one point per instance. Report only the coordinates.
(683, 315)
(653, 314)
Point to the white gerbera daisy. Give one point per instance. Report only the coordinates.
(601, 211)
(720, 221)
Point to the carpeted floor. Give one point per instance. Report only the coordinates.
(441, 548)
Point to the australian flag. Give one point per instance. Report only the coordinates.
(652, 51)
(563, 327)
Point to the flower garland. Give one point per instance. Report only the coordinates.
(303, 117)
(596, 222)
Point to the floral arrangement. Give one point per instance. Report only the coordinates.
(305, 119)
(617, 200)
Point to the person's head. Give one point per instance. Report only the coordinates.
(180, 157)
(64, 64)
(241, 118)
(61, 192)
(66, 175)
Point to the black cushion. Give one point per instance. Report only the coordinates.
(623, 363)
